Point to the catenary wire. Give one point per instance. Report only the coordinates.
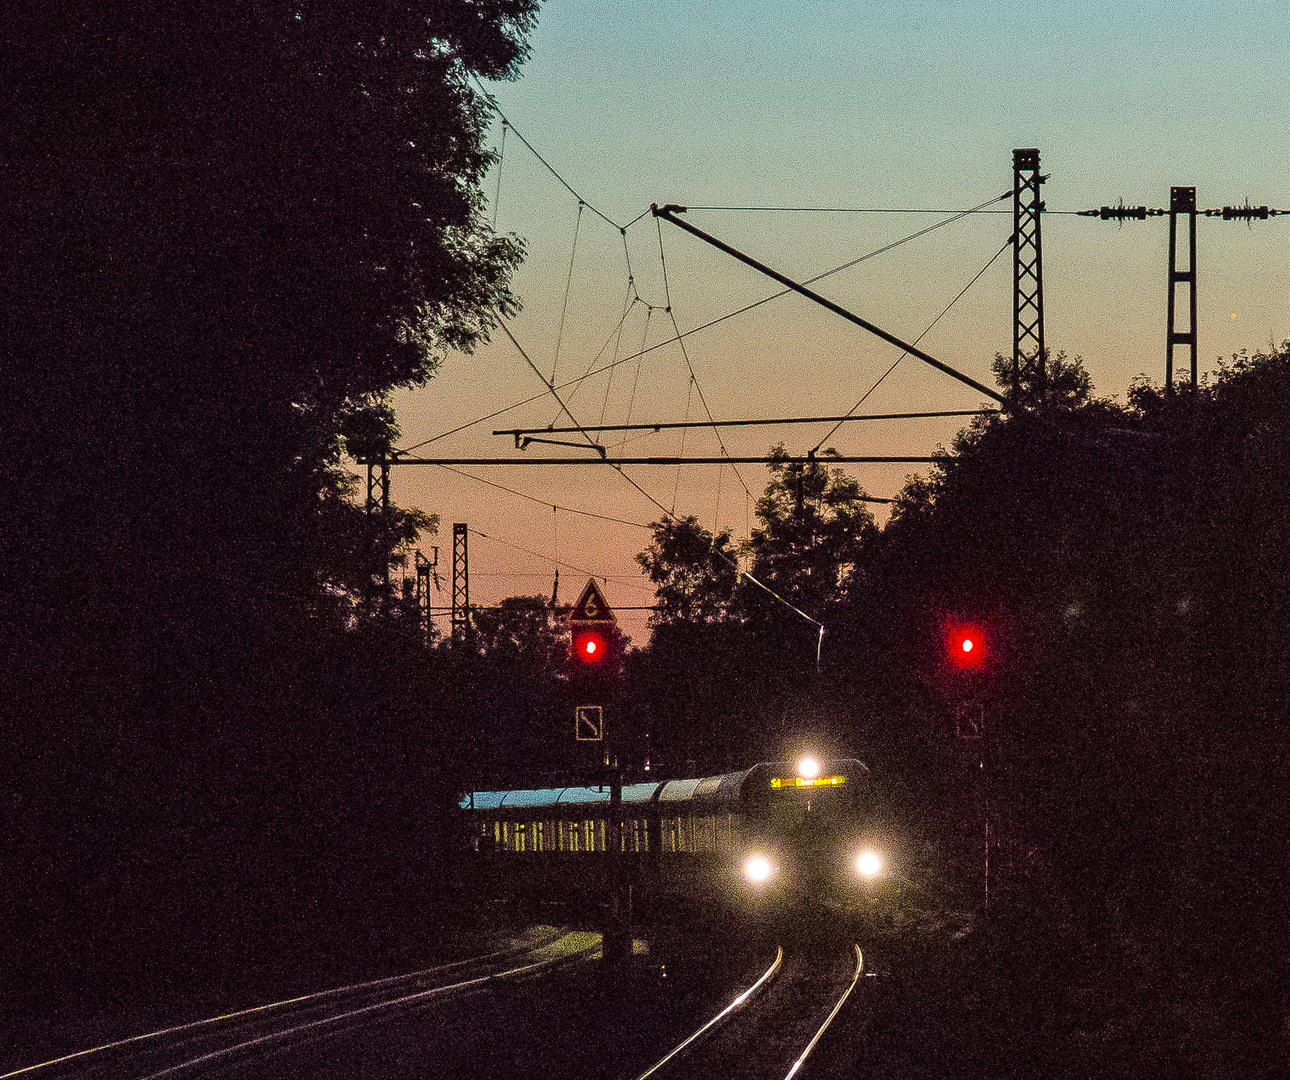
(1006, 244)
(697, 329)
(549, 385)
(492, 104)
(547, 558)
(667, 292)
(543, 502)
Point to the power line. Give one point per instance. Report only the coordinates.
(543, 502)
(703, 326)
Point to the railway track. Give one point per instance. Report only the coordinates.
(771, 1030)
(240, 1039)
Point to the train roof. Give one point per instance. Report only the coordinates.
(493, 800)
(715, 792)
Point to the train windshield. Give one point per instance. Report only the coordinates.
(794, 808)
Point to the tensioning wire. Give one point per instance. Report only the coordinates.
(1006, 244)
(697, 329)
(543, 502)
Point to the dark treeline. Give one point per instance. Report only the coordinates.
(231, 231)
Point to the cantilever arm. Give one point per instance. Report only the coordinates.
(668, 213)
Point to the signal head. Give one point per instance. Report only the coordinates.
(588, 646)
(966, 647)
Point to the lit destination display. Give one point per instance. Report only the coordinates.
(777, 782)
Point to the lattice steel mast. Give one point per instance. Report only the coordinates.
(1027, 274)
(460, 584)
(1182, 200)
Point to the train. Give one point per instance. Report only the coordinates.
(782, 831)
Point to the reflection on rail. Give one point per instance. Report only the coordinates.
(767, 976)
(829, 1019)
(775, 1032)
(279, 1022)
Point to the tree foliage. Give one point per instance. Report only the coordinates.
(694, 571)
(815, 530)
(239, 227)
(232, 230)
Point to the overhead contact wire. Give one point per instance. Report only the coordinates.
(667, 292)
(1006, 244)
(568, 287)
(743, 573)
(703, 326)
(547, 558)
(543, 502)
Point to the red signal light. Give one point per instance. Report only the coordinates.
(588, 646)
(966, 647)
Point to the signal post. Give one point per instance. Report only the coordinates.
(592, 639)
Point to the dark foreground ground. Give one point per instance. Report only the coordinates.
(1025, 994)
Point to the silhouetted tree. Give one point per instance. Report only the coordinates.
(237, 227)
(814, 534)
(232, 229)
(694, 572)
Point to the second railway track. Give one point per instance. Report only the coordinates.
(238, 1039)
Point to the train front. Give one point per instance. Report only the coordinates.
(810, 831)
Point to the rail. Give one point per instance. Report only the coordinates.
(678, 1051)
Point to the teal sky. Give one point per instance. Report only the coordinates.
(916, 105)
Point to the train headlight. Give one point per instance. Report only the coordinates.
(869, 864)
(808, 768)
(757, 868)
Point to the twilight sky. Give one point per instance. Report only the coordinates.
(860, 105)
